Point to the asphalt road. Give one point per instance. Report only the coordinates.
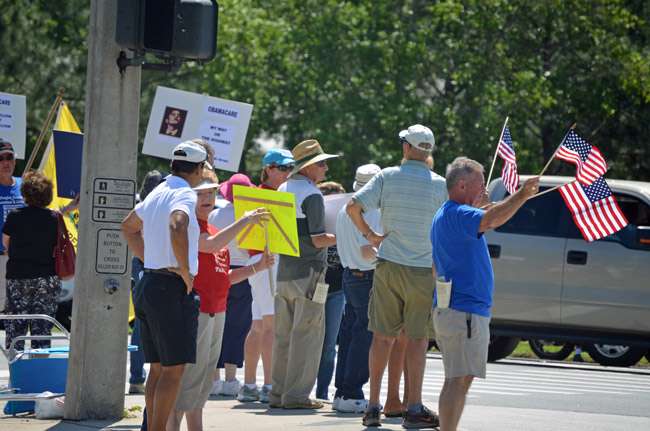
(522, 394)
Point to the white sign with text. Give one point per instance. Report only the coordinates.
(178, 116)
(13, 121)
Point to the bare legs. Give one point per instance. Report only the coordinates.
(160, 394)
(396, 362)
(452, 401)
(259, 342)
(380, 351)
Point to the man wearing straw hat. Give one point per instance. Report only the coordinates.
(301, 290)
(402, 295)
(460, 255)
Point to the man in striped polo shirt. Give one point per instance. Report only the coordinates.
(402, 296)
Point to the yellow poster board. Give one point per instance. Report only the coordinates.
(281, 226)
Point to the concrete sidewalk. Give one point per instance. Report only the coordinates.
(225, 413)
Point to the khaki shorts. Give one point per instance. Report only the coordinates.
(462, 356)
(401, 297)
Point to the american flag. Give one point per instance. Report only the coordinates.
(594, 209)
(591, 164)
(509, 173)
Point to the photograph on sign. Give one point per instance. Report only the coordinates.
(281, 226)
(333, 204)
(13, 121)
(173, 122)
(177, 116)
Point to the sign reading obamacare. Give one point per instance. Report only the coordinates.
(281, 226)
(13, 121)
(178, 116)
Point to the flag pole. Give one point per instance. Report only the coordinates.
(549, 190)
(30, 162)
(494, 159)
(557, 149)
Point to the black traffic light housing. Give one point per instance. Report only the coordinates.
(173, 30)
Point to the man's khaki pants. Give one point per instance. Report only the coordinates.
(299, 331)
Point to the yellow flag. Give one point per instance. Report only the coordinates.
(65, 122)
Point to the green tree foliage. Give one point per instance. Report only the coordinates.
(44, 48)
(352, 74)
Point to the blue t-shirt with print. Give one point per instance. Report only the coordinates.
(460, 253)
(10, 198)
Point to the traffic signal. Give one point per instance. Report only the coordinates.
(184, 30)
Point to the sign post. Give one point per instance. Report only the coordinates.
(100, 310)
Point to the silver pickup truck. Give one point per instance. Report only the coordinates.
(549, 284)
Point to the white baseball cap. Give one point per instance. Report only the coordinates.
(417, 135)
(189, 151)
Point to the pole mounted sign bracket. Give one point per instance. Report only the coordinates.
(172, 30)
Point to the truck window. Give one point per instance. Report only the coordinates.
(545, 215)
(635, 211)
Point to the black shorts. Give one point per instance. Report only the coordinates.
(169, 319)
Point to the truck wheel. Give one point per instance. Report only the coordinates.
(551, 350)
(613, 355)
(500, 347)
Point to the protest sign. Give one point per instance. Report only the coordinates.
(282, 226)
(178, 116)
(333, 204)
(13, 122)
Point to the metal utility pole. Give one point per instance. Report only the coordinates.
(97, 363)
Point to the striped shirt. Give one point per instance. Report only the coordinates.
(408, 197)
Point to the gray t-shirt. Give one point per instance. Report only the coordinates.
(310, 218)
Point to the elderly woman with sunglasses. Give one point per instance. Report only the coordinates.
(277, 165)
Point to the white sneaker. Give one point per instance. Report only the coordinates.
(335, 403)
(216, 387)
(230, 388)
(348, 405)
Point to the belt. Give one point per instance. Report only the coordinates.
(162, 271)
(360, 273)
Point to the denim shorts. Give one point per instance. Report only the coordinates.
(169, 319)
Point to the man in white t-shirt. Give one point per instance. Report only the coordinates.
(164, 233)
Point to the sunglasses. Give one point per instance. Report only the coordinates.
(282, 168)
(321, 164)
(7, 157)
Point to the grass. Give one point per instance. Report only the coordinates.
(523, 351)
(129, 412)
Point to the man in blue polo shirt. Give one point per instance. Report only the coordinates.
(460, 255)
(164, 233)
(10, 198)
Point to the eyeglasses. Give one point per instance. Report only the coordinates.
(282, 168)
(8, 157)
(321, 164)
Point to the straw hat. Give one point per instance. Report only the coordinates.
(307, 153)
